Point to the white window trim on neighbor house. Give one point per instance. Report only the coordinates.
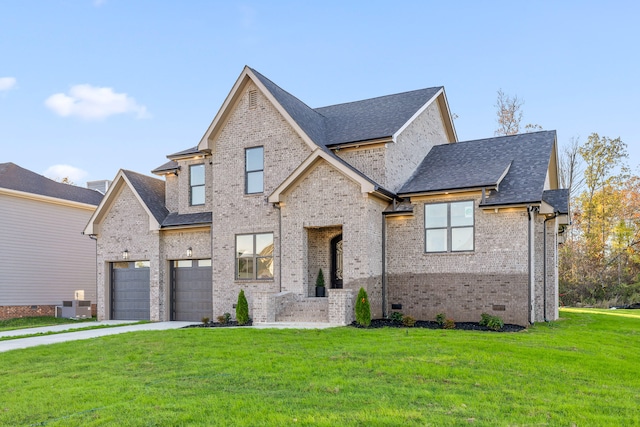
(447, 225)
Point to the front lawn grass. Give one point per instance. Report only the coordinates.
(582, 370)
(35, 322)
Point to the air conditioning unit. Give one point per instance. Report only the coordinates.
(76, 309)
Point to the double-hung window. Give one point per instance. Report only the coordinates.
(254, 256)
(449, 227)
(196, 185)
(254, 170)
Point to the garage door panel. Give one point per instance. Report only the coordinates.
(130, 292)
(191, 292)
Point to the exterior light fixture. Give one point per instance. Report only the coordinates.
(189, 252)
(125, 254)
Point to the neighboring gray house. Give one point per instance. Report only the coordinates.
(45, 257)
(377, 193)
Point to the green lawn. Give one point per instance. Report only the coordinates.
(34, 322)
(583, 370)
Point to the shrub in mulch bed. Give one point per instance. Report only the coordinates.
(219, 325)
(466, 326)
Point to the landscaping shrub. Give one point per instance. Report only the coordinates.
(408, 321)
(440, 318)
(224, 319)
(363, 309)
(449, 324)
(492, 322)
(242, 309)
(396, 316)
(205, 320)
(320, 280)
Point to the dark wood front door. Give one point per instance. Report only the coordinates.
(336, 262)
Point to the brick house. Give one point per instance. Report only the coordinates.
(45, 258)
(377, 193)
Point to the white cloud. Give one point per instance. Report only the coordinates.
(7, 83)
(90, 102)
(98, 3)
(59, 172)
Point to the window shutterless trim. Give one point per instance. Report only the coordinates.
(449, 228)
(254, 259)
(192, 186)
(248, 171)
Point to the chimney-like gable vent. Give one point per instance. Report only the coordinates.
(253, 99)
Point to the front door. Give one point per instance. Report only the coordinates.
(336, 262)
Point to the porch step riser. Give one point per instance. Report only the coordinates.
(315, 310)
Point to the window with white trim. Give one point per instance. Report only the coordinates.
(254, 170)
(196, 185)
(254, 256)
(449, 227)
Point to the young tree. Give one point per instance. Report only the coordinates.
(363, 309)
(509, 114)
(242, 309)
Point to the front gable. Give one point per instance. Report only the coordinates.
(319, 157)
(247, 81)
(120, 182)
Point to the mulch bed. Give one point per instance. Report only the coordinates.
(466, 326)
(219, 325)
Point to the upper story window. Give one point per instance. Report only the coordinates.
(254, 170)
(196, 185)
(449, 227)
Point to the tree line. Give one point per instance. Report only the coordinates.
(599, 260)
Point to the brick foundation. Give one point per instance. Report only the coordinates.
(17, 311)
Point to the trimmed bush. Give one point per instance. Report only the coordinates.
(494, 323)
(440, 318)
(396, 316)
(363, 309)
(449, 324)
(242, 309)
(320, 280)
(408, 321)
(205, 320)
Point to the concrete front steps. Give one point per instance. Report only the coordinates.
(306, 310)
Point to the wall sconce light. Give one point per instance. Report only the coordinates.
(125, 254)
(189, 252)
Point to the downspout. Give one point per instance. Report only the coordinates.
(277, 206)
(384, 265)
(95, 238)
(530, 282)
(544, 264)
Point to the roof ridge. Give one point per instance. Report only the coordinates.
(378, 97)
(502, 136)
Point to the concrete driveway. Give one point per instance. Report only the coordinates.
(71, 335)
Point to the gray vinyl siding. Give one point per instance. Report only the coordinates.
(44, 257)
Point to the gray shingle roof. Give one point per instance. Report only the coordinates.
(175, 219)
(13, 177)
(473, 164)
(151, 191)
(372, 118)
(357, 121)
(170, 166)
(559, 199)
(188, 152)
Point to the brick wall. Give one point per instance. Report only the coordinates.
(126, 226)
(493, 278)
(327, 198)
(236, 213)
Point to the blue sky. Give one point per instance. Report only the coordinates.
(109, 84)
